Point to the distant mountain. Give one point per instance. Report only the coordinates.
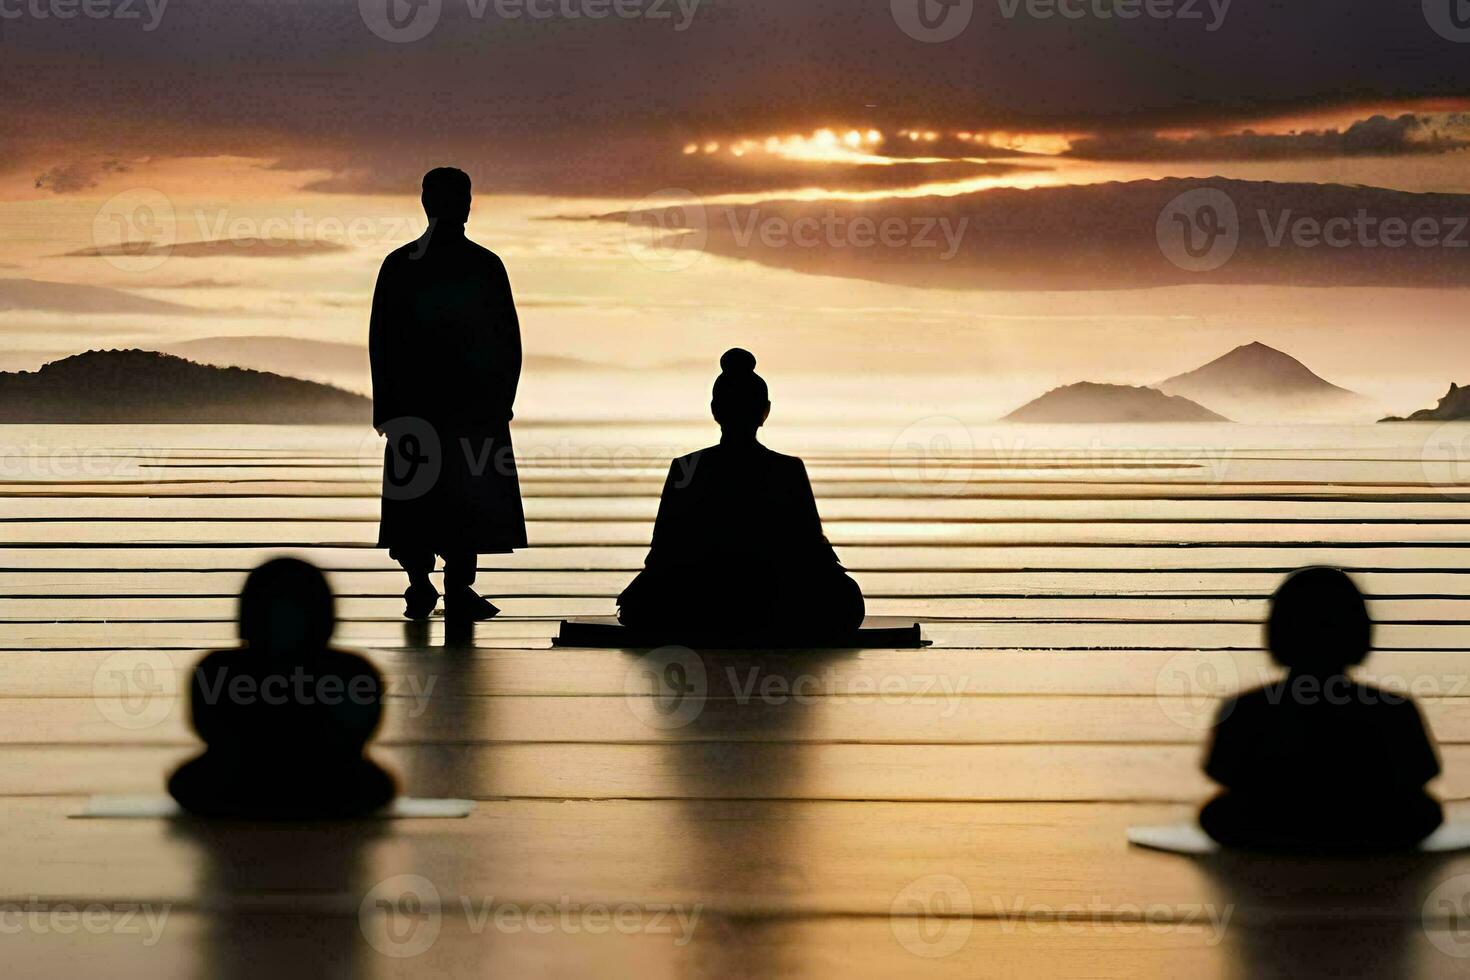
(1453, 407)
(1088, 402)
(1257, 382)
(137, 386)
(342, 365)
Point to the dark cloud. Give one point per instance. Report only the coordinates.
(312, 82)
(1092, 237)
(68, 178)
(1376, 136)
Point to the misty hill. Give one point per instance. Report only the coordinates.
(1453, 407)
(136, 386)
(1260, 382)
(342, 365)
(1089, 402)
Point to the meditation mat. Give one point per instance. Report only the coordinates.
(606, 633)
(146, 807)
(1188, 838)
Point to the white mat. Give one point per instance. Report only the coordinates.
(1188, 838)
(163, 807)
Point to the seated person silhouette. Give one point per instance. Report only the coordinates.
(1317, 762)
(285, 718)
(738, 552)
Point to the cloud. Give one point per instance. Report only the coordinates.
(1376, 136)
(316, 86)
(1091, 237)
(61, 297)
(248, 248)
(68, 178)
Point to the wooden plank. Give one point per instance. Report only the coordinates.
(702, 770)
(420, 711)
(514, 670)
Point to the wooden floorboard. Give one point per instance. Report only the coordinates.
(957, 811)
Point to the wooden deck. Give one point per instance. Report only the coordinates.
(955, 811)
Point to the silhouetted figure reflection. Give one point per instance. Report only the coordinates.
(285, 719)
(738, 550)
(446, 361)
(1318, 762)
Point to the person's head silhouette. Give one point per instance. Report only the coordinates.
(287, 607)
(741, 402)
(1319, 623)
(446, 195)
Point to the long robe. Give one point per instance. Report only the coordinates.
(446, 361)
(738, 549)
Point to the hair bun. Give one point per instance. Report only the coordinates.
(738, 360)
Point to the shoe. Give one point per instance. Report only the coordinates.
(466, 606)
(420, 602)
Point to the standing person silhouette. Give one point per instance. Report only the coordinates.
(738, 552)
(446, 361)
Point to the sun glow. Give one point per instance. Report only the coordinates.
(864, 146)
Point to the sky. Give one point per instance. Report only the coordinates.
(1004, 195)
